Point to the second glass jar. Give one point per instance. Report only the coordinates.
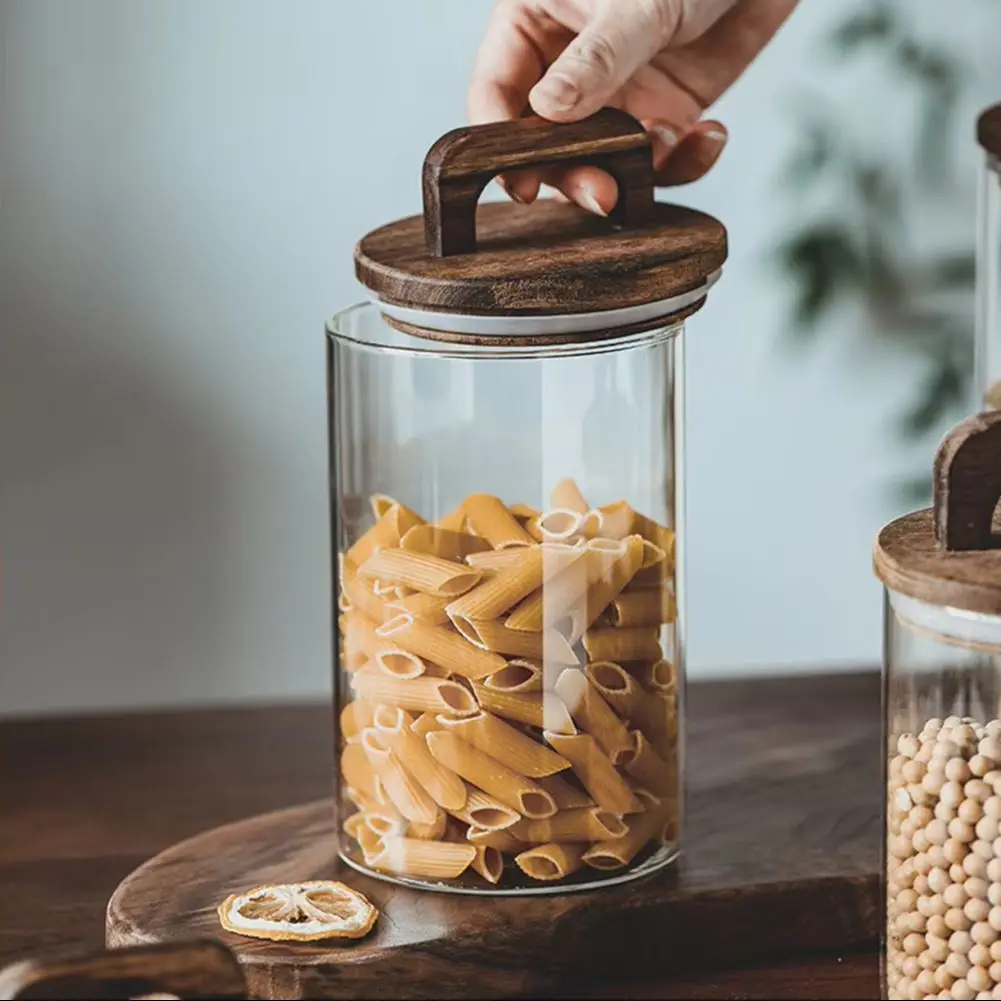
(509, 663)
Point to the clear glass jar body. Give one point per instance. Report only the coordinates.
(942, 851)
(988, 291)
(508, 653)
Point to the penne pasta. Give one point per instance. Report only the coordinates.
(657, 674)
(352, 824)
(363, 599)
(616, 520)
(442, 542)
(507, 745)
(607, 587)
(454, 521)
(615, 685)
(540, 709)
(490, 634)
(494, 560)
(390, 718)
(503, 590)
(417, 694)
(361, 640)
(557, 525)
(658, 576)
(566, 591)
(488, 863)
(550, 862)
(358, 774)
(655, 717)
(403, 790)
(593, 715)
(566, 795)
(395, 521)
(485, 772)
(441, 646)
(485, 812)
(646, 766)
(518, 675)
(503, 841)
(585, 824)
(442, 785)
(417, 857)
(424, 573)
(370, 842)
(524, 512)
(643, 608)
(399, 664)
(596, 772)
(354, 717)
(659, 535)
(434, 831)
(641, 830)
(381, 503)
(653, 556)
(566, 494)
(490, 519)
(429, 608)
(384, 820)
(623, 644)
(425, 723)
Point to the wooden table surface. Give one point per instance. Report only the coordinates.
(84, 800)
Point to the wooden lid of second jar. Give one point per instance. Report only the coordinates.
(950, 554)
(549, 258)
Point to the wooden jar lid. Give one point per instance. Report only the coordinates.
(989, 130)
(950, 554)
(548, 258)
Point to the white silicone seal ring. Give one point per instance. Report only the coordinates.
(538, 324)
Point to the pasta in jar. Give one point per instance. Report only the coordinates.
(509, 714)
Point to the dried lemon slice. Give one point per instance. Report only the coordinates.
(302, 912)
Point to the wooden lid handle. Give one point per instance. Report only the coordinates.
(461, 163)
(197, 969)
(967, 482)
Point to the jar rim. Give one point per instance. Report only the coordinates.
(343, 327)
(954, 626)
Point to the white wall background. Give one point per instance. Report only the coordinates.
(181, 185)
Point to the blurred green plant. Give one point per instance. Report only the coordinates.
(919, 303)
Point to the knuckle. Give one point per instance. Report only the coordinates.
(597, 53)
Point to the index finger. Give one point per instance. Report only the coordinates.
(512, 58)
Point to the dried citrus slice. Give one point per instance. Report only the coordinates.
(302, 912)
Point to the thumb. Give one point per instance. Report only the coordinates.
(594, 66)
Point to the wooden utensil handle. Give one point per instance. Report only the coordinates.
(967, 483)
(199, 969)
(461, 163)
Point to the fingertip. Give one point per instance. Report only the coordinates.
(695, 155)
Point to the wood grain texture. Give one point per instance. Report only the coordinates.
(91, 797)
(989, 130)
(185, 970)
(950, 554)
(576, 264)
(782, 848)
(461, 163)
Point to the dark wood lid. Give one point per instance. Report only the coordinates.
(989, 130)
(503, 259)
(950, 554)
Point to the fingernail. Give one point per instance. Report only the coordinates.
(715, 135)
(667, 136)
(559, 92)
(589, 201)
(509, 191)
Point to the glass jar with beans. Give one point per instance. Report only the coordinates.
(942, 574)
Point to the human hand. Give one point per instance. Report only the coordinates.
(663, 61)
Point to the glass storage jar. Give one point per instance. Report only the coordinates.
(988, 280)
(506, 505)
(942, 698)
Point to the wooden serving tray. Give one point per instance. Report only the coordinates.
(780, 855)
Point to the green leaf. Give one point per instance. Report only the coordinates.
(812, 156)
(824, 264)
(876, 24)
(949, 272)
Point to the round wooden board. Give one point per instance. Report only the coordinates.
(782, 850)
